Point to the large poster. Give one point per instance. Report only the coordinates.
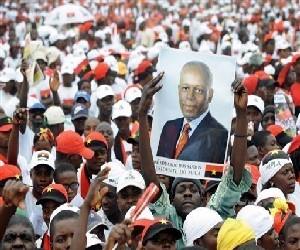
(192, 114)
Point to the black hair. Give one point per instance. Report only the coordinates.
(61, 168)
(249, 144)
(21, 220)
(95, 247)
(193, 248)
(291, 221)
(249, 246)
(79, 84)
(63, 215)
(295, 156)
(259, 138)
(61, 156)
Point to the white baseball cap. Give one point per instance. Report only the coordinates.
(42, 157)
(256, 101)
(132, 93)
(116, 170)
(121, 108)
(103, 91)
(131, 178)
(55, 115)
(67, 68)
(7, 74)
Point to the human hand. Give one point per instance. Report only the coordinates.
(24, 67)
(121, 234)
(95, 194)
(20, 116)
(14, 193)
(54, 81)
(148, 92)
(240, 96)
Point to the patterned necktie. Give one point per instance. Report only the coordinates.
(183, 139)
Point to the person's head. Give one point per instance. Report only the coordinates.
(36, 115)
(291, 233)
(62, 228)
(42, 169)
(130, 188)
(103, 74)
(83, 97)
(252, 156)
(105, 129)
(282, 138)
(201, 228)
(43, 140)
(268, 117)
(143, 73)
(294, 153)
(90, 125)
(79, 115)
(96, 142)
(255, 107)
(256, 62)
(9, 172)
(67, 71)
(66, 175)
(105, 99)
(70, 148)
(85, 85)
(160, 234)
(121, 114)
(5, 130)
(52, 197)
(269, 44)
(8, 78)
(234, 233)
(195, 89)
(19, 234)
(186, 195)
(133, 96)
(135, 155)
(55, 118)
(261, 222)
(277, 171)
(264, 141)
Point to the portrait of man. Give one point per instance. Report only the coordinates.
(197, 136)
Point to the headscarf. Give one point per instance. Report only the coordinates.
(234, 233)
(257, 218)
(199, 222)
(270, 165)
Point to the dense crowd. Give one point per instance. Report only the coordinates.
(77, 81)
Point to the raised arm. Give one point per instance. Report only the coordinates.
(147, 165)
(24, 93)
(54, 84)
(13, 144)
(239, 148)
(93, 198)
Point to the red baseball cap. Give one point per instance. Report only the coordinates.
(275, 129)
(268, 37)
(143, 66)
(55, 192)
(101, 71)
(8, 171)
(250, 83)
(69, 142)
(95, 141)
(254, 172)
(5, 124)
(295, 144)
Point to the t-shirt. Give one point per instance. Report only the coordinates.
(67, 94)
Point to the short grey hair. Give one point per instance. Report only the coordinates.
(203, 70)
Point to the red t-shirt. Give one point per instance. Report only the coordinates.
(295, 93)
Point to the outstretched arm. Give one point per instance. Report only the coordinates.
(147, 165)
(54, 85)
(239, 148)
(24, 93)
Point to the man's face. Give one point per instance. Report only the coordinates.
(42, 176)
(48, 207)
(268, 119)
(37, 116)
(122, 123)
(254, 115)
(136, 158)
(162, 240)
(79, 124)
(69, 180)
(4, 138)
(106, 130)
(105, 105)
(99, 158)
(90, 126)
(194, 94)
(109, 201)
(187, 198)
(18, 237)
(128, 197)
(135, 108)
(252, 156)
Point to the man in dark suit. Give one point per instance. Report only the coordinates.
(197, 136)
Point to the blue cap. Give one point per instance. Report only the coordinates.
(83, 94)
(37, 105)
(79, 111)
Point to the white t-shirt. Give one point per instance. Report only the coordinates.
(67, 94)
